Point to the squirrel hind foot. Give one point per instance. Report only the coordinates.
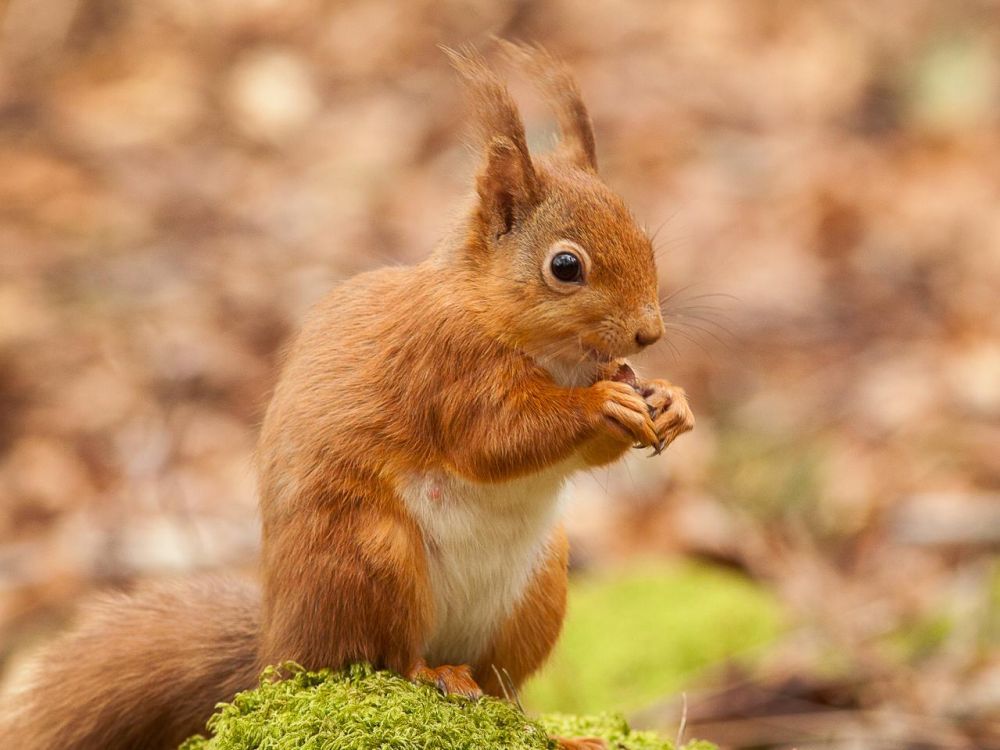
(449, 679)
(580, 743)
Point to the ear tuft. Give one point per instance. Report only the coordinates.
(557, 84)
(507, 183)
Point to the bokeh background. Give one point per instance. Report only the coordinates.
(814, 566)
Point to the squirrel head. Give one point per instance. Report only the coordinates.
(560, 267)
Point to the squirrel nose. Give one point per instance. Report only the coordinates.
(649, 334)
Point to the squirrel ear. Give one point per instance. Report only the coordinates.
(506, 186)
(507, 183)
(556, 83)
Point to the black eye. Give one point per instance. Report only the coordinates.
(567, 267)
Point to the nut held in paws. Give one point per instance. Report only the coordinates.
(625, 374)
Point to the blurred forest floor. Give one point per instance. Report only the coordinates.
(180, 180)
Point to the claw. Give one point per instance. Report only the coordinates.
(658, 448)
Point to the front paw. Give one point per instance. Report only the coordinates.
(668, 408)
(624, 412)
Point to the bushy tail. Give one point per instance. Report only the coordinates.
(140, 671)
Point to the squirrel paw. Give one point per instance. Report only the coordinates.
(580, 743)
(669, 410)
(626, 413)
(450, 680)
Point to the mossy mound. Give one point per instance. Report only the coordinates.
(361, 709)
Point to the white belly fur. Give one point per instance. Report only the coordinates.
(484, 543)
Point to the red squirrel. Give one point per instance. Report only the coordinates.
(411, 459)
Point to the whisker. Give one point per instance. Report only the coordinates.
(673, 348)
(659, 228)
(714, 309)
(667, 298)
(712, 327)
(712, 334)
(707, 295)
(688, 337)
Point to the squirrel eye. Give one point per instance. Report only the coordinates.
(566, 267)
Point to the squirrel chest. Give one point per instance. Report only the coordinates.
(483, 543)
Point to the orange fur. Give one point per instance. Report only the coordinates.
(140, 672)
(411, 395)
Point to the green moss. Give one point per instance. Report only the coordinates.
(633, 637)
(613, 728)
(630, 638)
(919, 639)
(361, 709)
